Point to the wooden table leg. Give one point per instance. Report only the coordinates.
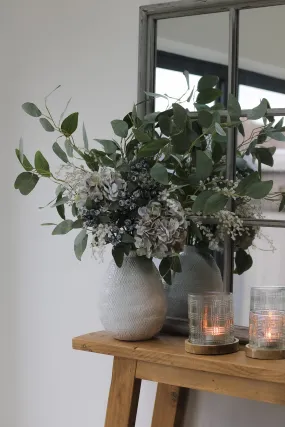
(169, 406)
(124, 394)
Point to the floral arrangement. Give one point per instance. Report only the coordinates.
(148, 190)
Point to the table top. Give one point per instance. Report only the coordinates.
(170, 351)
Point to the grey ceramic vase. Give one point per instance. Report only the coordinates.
(200, 273)
(132, 301)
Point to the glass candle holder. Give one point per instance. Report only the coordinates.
(211, 318)
(266, 330)
(267, 298)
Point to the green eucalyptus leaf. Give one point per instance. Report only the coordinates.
(179, 116)
(182, 141)
(41, 164)
(60, 206)
(110, 147)
(26, 182)
(69, 124)
(159, 173)
(25, 163)
(80, 244)
(245, 183)
(77, 224)
(279, 124)
(85, 137)
(251, 146)
(215, 203)
(48, 224)
(31, 109)
(152, 148)
(207, 82)
(219, 129)
(264, 156)
(60, 201)
(120, 128)
(241, 129)
(74, 210)
(217, 152)
(259, 190)
(127, 238)
(190, 95)
(21, 150)
(282, 203)
(200, 201)
(141, 136)
(278, 136)
(176, 264)
(129, 118)
(208, 95)
(68, 147)
(165, 269)
(243, 261)
(59, 152)
(118, 255)
(259, 111)
(63, 227)
(204, 165)
(46, 124)
(156, 95)
(234, 108)
(205, 118)
(165, 124)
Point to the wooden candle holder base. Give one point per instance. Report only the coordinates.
(212, 350)
(268, 354)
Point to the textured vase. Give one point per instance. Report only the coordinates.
(132, 300)
(200, 273)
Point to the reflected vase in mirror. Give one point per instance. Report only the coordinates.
(132, 301)
(200, 273)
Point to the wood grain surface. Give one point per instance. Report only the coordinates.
(170, 351)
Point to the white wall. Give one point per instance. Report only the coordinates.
(47, 297)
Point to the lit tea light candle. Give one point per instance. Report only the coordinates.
(214, 334)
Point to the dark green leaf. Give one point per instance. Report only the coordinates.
(41, 164)
(26, 164)
(182, 141)
(61, 201)
(208, 95)
(109, 146)
(207, 82)
(234, 108)
(60, 208)
(278, 136)
(77, 224)
(120, 128)
(59, 152)
(245, 184)
(264, 156)
(165, 124)
(279, 124)
(74, 210)
(243, 261)
(251, 146)
(176, 264)
(46, 124)
(129, 119)
(190, 95)
(151, 117)
(241, 129)
(80, 244)
(151, 148)
(165, 266)
(48, 224)
(179, 116)
(204, 165)
(159, 173)
(282, 203)
(215, 203)
(155, 95)
(21, 150)
(205, 118)
(85, 138)
(262, 137)
(219, 129)
(241, 164)
(31, 109)
(26, 182)
(217, 152)
(63, 227)
(118, 255)
(141, 136)
(127, 238)
(69, 124)
(200, 201)
(68, 147)
(272, 150)
(259, 111)
(259, 190)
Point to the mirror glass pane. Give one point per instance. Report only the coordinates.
(198, 44)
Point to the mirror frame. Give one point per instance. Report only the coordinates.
(148, 17)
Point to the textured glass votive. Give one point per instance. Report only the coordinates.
(211, 318)
(267, 298)
(266, 329)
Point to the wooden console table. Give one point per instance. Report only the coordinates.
(165, 361)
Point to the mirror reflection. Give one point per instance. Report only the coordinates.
(198, 44)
